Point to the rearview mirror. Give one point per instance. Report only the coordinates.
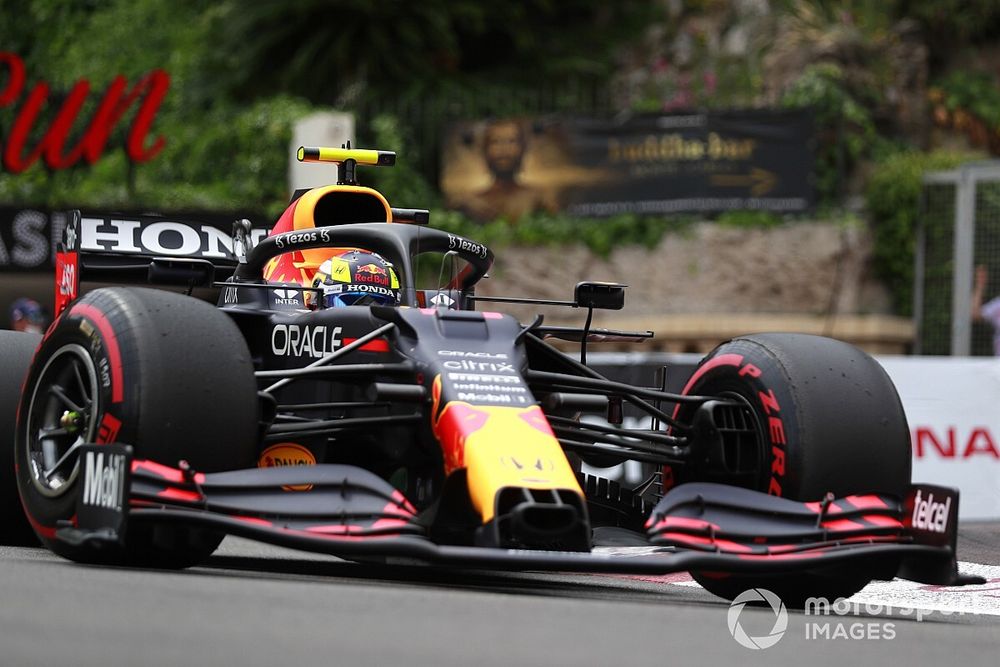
(609, 296)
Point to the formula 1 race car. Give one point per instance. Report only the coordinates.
(347, 397)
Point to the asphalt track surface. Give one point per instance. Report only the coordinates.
(258, 605)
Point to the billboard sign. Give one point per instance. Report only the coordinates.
(650, 164)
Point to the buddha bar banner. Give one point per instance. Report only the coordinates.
(655, 164)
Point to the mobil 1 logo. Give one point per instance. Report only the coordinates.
(103, 482)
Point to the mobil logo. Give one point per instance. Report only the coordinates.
(104, 480)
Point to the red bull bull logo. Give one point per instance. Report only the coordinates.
(499, 447)
(456, 423)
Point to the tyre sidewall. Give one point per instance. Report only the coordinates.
(174, 380)
(744, 369)
(85, 325)
(829, 418)
(830, 421)
(16, 352)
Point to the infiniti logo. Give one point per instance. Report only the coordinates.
(780, 619)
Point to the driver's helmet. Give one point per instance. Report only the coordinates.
(357, 277)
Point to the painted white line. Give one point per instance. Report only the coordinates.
(982, 599)
(899, 594)
(880, 597)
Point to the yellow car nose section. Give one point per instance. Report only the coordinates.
(502, 447)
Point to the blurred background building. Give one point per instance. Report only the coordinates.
(743, 165)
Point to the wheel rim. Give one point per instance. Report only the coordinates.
(62, 415)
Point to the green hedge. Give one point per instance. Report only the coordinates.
(893, 197)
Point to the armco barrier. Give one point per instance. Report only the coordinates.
(952, 405)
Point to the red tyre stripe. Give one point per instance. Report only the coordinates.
(114, 354)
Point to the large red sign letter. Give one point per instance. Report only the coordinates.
(152, 88)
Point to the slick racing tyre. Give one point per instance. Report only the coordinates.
(167, 374)
(827, 418)
(16, 350)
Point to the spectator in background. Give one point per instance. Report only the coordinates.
(28, 315)
(504, 145)
(989, 311)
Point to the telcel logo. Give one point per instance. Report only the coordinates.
(930, 515)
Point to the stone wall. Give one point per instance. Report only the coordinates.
(700, 285)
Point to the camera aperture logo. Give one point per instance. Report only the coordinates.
(823, 620)
(777, 631)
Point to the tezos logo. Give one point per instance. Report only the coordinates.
(780, 619)
(297, 238)
(458, 243)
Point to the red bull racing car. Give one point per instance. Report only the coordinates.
(350, 394)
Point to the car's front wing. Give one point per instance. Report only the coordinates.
(348, 512)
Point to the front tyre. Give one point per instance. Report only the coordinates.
(16, 351)
(165, 373)
(828, 419)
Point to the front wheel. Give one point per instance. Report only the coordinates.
(16, 350)
(165, 373)
(827, 419)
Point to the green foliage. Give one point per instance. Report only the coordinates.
(947, 24)
(332, 51)
(250, 147)
(403, 183)
(544, 229)
(893, 198)
(218, 155)
(975, 92)
(226, 158)
(749, 218)
(844, 125)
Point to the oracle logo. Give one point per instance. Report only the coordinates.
(17, 156)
